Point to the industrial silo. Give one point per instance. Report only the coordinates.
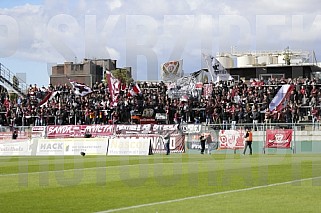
(245, 61)
(226, 61)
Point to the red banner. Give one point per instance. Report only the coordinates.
(78, 131)
(278, 138)
(208, 90)
(231, 139)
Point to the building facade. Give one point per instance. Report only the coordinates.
(89, 71)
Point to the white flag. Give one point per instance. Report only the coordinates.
(171, 70)
(80, 89)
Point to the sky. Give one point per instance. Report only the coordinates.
(143, 34)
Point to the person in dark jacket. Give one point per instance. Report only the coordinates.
(203, 141)
(166, 139)
(14, 134)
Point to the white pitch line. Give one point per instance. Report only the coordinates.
(207, 195)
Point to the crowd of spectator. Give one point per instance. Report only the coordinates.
(230, 103)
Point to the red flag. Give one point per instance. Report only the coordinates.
(114, 88)
(281, 98)
(135, 90)
(47, 98)
(123, 87)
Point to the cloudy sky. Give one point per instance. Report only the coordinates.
(35, 34)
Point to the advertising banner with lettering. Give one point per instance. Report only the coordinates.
(164, 128)
(231, 139)
(133, 129)
(176, 145)
(193, 141)
(191, 128)
(78, 131)
(71, 146)
(177, 142)
(38, 131)
(15, 148)
(90, 146)
(278, 138)
(128, 146)
(51, 147)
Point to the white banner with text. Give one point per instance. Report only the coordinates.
(129, 146)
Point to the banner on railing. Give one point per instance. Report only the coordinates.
(278, 138)
(133, 129)
(191, 128)
(78, 131)
(145, 129)
(231, 139)
(162, 128)
(38, 131)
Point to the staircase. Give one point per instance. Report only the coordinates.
(11, 82)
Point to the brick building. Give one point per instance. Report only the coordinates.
(88, 71)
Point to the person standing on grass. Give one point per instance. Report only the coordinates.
(248, 141)
(203, 140)
(166, 139)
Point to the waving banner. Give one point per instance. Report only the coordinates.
(114, 88)
(172, 70)
(281, 98)
(79, 89)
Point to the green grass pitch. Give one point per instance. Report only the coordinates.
(160, 183)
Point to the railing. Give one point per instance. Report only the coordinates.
(302, 126)
(310, 127)
(13, 81)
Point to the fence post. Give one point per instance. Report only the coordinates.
(294, 139)
(263, 141)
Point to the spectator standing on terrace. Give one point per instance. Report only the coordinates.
(255, 118)
(315, 117)
(177, 117)
(267, 117)
(224, 118)
(209, 110)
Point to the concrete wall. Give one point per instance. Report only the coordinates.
(305, 142)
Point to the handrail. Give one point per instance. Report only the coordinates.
(12, 80)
